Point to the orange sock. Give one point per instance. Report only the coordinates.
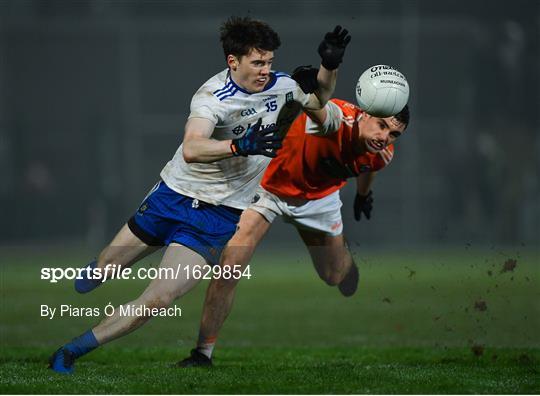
(205, 345)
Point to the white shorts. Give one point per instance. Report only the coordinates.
(323, 215)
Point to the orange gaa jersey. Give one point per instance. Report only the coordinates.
(312, 166)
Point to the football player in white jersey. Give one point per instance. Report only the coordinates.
(234, 128)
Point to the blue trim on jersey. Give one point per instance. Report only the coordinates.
(231, 88)
(227, 87)
(237, 86)
(226, 92)
(271, 83)
(273, 79)
(228, 95)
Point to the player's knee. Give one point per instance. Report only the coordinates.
(236, 256)
(158, 302)
(229, 257)
(230, 261)
(332, 278)
(224, 284)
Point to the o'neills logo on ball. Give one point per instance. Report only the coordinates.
(387, 71)
(381, 67)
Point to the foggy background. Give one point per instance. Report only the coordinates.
(94, 96)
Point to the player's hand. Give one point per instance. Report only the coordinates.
(306, 77)
(332, 48)
(257, 141)
(363, 204)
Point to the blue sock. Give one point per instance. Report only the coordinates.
(83, 344)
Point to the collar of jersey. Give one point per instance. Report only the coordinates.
(270, 84)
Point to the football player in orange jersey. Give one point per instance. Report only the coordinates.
(322, 149)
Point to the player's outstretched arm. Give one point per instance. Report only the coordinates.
(331, 50)
(306, 78)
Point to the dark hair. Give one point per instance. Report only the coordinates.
(403, 116)
(239, 35)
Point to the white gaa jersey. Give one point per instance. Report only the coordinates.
(232, 181)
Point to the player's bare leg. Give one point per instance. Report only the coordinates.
(160, 293)
(123, 251)
(332, 260)
(220, 293)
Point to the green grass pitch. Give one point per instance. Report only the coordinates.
(455, 321)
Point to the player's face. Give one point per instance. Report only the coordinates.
(252, 71)
(377, 133)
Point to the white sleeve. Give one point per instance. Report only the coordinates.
(301, 96)
(331, 124)
(205, 105)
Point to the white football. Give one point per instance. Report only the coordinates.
(382, 91)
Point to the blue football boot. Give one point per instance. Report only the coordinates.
(86, 284)
(62, 361)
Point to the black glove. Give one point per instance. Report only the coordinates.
(363, 204)
(257, 141)
(332, 48)
(306, 77)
